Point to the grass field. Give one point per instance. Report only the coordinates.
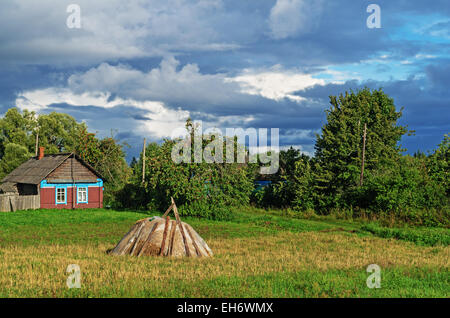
(257, 254)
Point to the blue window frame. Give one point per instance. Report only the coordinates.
(61, 195)
(82, 194)
(82, 190)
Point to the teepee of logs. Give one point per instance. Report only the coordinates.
(160, 236)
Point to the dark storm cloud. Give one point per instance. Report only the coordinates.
(425, 103)
(439, 74)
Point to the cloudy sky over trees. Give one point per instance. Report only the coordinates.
(143, 67)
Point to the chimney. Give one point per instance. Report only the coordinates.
(41, 153)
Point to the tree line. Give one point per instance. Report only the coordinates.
(20, 132)
(409, 188)
(414, 188)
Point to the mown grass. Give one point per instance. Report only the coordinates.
(256, 255)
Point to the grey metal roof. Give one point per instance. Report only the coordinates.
(34, 171)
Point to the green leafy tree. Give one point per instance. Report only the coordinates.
(303, 199)
(14, 156)
(108, 158)
(280, 192)
(59, 132)
(438, 164)
(288, 159)
(200, 189)
(17, 128)
(338, 148)
(133, 163)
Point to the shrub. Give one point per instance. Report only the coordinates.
(405, 185)
(206, 210)
(199, 189)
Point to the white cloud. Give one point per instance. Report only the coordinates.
(109, 86)
(339, 76)
(161, 120)
(186, 85)
(425, 56)
(165, 96)
(294, 17)
(305, 150)
(169, 82)
(275, 83)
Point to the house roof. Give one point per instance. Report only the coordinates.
(8, 187)
(34, 171)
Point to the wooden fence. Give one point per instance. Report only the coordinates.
(14, 202)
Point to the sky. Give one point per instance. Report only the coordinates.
(136, 69)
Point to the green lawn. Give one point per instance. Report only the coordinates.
(257, 254)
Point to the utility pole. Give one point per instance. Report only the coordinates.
(363, 156)
(143, 162)
(37, 142)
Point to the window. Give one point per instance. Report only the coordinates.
(82, 195)
(60, 195)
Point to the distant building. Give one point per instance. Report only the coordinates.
(261, 184)
(59, 181)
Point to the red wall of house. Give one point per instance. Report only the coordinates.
(95, 199)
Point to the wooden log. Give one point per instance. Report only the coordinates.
(172, 238)
(146, 245)
(166, 227)
(123, 246)
(193, 242)
(167, 211)
(175, 211)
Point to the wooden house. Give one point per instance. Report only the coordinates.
(58, 181)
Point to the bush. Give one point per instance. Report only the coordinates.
(424, 217)
(207, 211)
(278, 194)
(131, 196)
(199, 189)
(400, 187)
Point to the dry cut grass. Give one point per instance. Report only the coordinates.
(331, 264)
